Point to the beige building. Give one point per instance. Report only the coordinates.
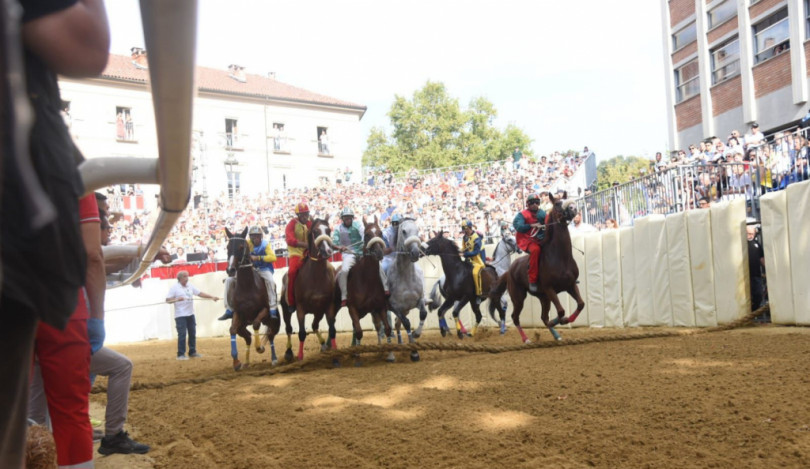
(253, 134)
(730, 63)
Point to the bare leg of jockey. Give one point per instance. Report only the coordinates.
(384, 279)
(343, 276)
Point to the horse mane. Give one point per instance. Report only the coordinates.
(452, 246)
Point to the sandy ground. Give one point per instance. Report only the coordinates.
(724, 399)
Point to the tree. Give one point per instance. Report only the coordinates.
(431, 130)
(619, 169)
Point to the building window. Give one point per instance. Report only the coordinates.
(807, 17)
(323, 142)
(726, 61)
(686, 80)
(771, 36)
(233, 181)
(231, 134)
(684, 36)
(124, 126)
(280, 138)
(722, 12)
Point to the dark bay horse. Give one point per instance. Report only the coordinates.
(365, 291)
(459, 287)
(558, 273)
(314, 288)
(248, 300)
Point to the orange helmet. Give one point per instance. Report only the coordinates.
(301, 208)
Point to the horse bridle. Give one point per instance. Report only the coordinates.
(318, 240)
(245, 260)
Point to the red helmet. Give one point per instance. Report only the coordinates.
(301, 208)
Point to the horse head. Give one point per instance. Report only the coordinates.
(372, 239)
(439, 245)
(237, 251)
(408, 241)
(320, 239)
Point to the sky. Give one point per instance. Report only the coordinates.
(569, 73)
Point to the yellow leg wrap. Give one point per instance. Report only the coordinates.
(258, 341)
(475, 328)
(247, 356)
(458, 324)
(320, 338)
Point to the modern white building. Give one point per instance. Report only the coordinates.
(253, 134)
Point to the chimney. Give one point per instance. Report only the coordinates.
(237, 72)
(271, 75)
(139, 58)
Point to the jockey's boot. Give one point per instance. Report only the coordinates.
(228, 315)
(479, 299)
(532, 287)
(274, 313)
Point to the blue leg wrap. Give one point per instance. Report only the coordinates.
(274, 313)
(234, 354)
(443, 323)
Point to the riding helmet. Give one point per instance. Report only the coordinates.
(533, 196)
(346, 212)
(466, 224)
(255, 230)
(301, 208)
(396, 218)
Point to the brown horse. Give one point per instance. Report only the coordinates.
(365, 291)
(459, 287)
(314, 288)
(247, 297)
(558, 273)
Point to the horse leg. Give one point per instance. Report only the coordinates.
(443, 328)
(545, 303)
(316, 324)
(357, 332)
(243, 332)
(574, 292)
(383, 316)
(476, 307)
(422, 316)
(398, 326)
(330, 321)
(234, 352)
(288, 354)
(518, 295)
(273, 327)
(257, 323)
(406, 323)
(502, 312)
(461, 331)
(302, 332)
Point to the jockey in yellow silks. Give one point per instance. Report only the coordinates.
(472, 246)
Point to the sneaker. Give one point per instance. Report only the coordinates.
(228, 315)
(182, 357)
(195, 355)
(121, 443)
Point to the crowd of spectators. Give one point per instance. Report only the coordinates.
(437, 199)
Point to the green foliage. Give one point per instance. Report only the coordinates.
(431, 130)
(619, 169)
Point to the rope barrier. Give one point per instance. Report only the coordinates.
(325, 359)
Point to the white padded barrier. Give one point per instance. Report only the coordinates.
(595, 298)
(680, 275)
(701, 265)
(612, 278)
(629, 283)
(776, 244)
(730, 249)
(798, 208)
(644, 272)
(662, 299)
(578, 243)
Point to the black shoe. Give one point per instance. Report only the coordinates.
(121, 443)
(228, 315)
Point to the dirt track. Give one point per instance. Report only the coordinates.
(724, 399)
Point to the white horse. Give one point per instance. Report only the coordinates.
(501, 260)
(406, 280)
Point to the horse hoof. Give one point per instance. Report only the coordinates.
(336, 363)
(300, 357)
(237, 366)
(444, 332)
(274, 362)
(460, 335)
(417, 333)
(260, 350)
(527, 341)
(324, 347)
(288, 356)
(414, 356)
(390, 358)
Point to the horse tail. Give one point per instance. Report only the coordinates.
(496, 293)
(435, 296)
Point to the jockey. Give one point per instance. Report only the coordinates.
(390, 237)
(474, 251)
(530, 230)
(263, 256)
(296, 235)
(348, 236)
